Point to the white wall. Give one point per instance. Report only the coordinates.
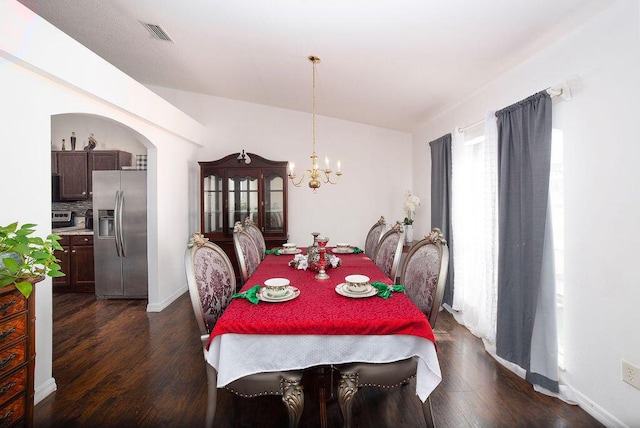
(376, 163)
(602, 208)
(36, 85)
(109, 134)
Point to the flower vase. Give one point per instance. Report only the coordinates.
(408, 234)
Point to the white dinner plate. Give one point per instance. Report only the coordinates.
(342, 250)
(290, 251)
(290, 294)
(342, 290)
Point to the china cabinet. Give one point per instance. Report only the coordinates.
(236, 187)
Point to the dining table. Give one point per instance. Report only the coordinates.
(320, 327)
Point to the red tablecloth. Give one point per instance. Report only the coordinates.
(319, 310)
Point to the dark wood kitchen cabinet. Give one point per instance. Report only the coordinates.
(17, 357)
(76, 261)
(232, 190)
(72, 169)
(75, 169)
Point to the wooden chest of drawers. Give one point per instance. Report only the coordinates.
(17, 357)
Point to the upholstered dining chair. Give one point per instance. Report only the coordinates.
(373, 237)
(257, 236)
(211, 282)
(247, 251)
(424, 275)
(387, 256)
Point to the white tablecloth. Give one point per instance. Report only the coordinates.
(238, 355)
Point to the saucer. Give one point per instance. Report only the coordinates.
(342, 290)
(290, 250)
(357, 290)
(337, 250)
(290, 294)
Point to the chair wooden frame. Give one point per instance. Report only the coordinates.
(379, 229)
(356, 375)
(286, 384)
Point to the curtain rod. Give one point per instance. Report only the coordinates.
(462, 129)
(562, 91)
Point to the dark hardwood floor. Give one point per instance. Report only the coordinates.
(116, 365)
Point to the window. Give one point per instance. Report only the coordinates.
(475, 215)
(475, 223)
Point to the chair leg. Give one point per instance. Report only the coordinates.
(293, 398)
(428, 414)
(212, 395)
(347, 388)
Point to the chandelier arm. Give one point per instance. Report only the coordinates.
(326, 176)
(292, 177)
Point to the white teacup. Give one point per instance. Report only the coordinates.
(289, 246)
(342, 245)
(276, 287)
(357, 283)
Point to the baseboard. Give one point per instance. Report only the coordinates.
(44, 390)
(158, 307)
(601, 415)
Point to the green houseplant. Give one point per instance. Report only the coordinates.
(26, 259)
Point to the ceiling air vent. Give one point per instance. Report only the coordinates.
(157, 32)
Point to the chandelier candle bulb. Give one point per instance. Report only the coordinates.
(326, 160)
(291, 165)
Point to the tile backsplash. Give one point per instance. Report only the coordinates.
(78, 207)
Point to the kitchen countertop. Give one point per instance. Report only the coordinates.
(72, 230)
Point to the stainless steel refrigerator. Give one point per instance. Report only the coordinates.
(120, 234)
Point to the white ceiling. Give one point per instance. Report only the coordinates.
(388, 63)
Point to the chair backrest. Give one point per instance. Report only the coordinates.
(211, 280)
(424, 273)
(256, 234)
(246, 251)
(389, 250)
(373, 237)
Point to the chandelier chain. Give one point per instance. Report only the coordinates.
(313, 103)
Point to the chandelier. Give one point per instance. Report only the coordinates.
(315, 175)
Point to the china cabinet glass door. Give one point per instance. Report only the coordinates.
(274, 203)
(243, 198)
(212, 209)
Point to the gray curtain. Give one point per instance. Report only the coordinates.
(441, 200)
(526, 279)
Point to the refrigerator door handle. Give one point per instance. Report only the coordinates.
(120, 228)
(115, 223)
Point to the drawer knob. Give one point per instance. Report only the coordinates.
(6, 416)
(7, 387)
(6, 305)
(5, 362)
(6, 333)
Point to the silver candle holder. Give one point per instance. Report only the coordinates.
(322, 243)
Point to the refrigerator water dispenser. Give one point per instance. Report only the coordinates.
(106, 223)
